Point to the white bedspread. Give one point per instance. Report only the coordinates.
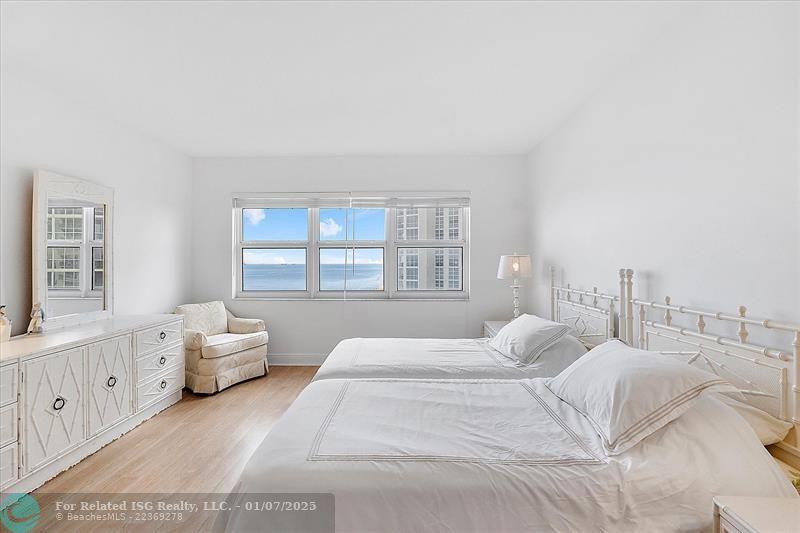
(436, 358)
(497, 455)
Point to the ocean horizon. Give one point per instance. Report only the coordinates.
(293, 277)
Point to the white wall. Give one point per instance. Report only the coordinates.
(152, 187)
(684, 166)
(303, 331)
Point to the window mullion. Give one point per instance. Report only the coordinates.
(313, 252)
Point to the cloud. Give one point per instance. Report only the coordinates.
(329, 228)
(254, 216)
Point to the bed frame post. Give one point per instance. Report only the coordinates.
(553, 293)
(642, 320)
(629, 306)
(796, 379)
(623, 323)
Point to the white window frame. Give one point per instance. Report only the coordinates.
(313, 202)
(85, 246)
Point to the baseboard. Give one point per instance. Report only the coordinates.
(289, 359)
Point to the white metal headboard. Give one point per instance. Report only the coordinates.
(591, 313)
(742, 362)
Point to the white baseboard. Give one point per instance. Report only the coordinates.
(291, 359)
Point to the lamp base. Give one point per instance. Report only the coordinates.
(515, 288)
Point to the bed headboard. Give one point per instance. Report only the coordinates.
(769, 376)
(592, 313)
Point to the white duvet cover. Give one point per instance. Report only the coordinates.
(440, 358)
(497, 455)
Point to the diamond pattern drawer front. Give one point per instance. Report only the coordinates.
(166, 383)
(149, 366)
(152, 339)
(9, 473)
(8, 424)
(110, 382)
(54, 418)
(8, 384)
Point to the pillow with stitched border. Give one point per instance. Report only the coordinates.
(628, 394)
(527, 336)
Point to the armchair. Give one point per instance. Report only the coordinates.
(221, 349)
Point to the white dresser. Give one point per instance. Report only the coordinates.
(67, 393)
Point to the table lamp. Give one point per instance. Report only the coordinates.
(514, 267)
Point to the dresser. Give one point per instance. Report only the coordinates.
(67, 393)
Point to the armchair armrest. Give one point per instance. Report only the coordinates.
(193, 339)
(245, 325)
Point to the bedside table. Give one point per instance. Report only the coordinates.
(742, 514)
(491, 327)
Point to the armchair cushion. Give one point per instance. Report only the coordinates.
(193, 339)
(245, 325)
(209, 318)
(230, 343)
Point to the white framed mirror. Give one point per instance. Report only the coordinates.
(72, 249)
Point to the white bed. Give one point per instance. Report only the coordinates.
(440, 359)
(496, 455)
(589, 313)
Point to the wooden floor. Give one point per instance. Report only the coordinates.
(200, 444)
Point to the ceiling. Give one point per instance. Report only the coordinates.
(291, 78)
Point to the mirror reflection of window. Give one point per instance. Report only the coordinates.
(75, 252)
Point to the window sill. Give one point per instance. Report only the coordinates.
(354, 299)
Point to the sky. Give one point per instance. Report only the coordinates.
(336, 224)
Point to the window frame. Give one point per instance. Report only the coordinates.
(313, 245)
(86, 288)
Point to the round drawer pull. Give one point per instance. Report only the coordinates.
(162, 360)
(59, 403)
(112, 380)
(162, 336)
(163, 384)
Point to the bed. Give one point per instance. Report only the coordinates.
(421, 454)
(590, 314)
(494, 455)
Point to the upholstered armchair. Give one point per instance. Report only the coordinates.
(221, 349)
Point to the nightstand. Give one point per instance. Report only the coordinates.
(742, 514)
(491, 327)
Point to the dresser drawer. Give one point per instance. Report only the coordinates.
(8, 384)
(110, 383)
(149, 366)
(9, 463)
(8, 424)
(166, 383)
(150, 340)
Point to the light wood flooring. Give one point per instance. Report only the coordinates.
(200, 444)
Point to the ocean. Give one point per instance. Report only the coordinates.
(332, 277)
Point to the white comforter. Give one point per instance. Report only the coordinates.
(440, 358)
(497, 455)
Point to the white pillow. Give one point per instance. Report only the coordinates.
(526, 337)
(627, 394)
(768, 428)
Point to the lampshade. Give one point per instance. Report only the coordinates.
(514, 267)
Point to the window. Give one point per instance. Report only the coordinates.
(275, 252)
(330, 246)
(75, 266)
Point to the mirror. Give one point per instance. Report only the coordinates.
(72, 249)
